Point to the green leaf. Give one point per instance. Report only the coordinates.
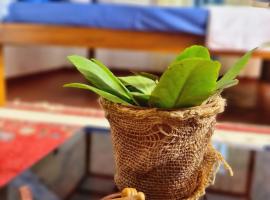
(147, 75)
(101, 93)
(115, 78)
(228, 84)
(110, 73)
(232, 73)
(100, 76)
(142, 99)
(143, 84)
(186, 83)
(195, 51)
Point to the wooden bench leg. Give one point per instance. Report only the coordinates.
(265, 74)
(2, 78)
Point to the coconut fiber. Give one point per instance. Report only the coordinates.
(168, 155)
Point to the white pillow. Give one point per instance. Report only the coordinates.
(4, 8)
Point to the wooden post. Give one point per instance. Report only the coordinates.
(265, 74)
(3, 193)
(2, 78)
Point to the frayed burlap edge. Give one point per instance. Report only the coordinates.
(212, 106)
(210, 166)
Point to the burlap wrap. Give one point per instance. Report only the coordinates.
(165, 154)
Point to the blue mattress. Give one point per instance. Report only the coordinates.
(112, 16)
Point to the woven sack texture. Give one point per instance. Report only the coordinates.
(168, 155)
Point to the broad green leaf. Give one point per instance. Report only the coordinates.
(147, 75)
(186, 83)
(110, 73)
(195, 51)
(235, 70)
(132, 89)
(228, 84)
(143, 84)
(115, 78)
(142, 99)
(101, 93)
(100, 76)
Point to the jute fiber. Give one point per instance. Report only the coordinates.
(165, 154)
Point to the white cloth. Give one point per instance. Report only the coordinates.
(238, 28)
(4, 4)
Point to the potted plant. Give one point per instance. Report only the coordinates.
(161, 127)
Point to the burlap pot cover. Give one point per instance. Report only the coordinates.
(165, 154)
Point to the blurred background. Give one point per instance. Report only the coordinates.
(56, 140)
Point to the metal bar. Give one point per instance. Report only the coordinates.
(250, 175)
(88, 148)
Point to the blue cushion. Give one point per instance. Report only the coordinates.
(37, 1)
(34, 1)
(112, 16)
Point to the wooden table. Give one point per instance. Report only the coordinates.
(34, 34)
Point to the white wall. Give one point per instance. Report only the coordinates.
(27, 60)
(135, 60)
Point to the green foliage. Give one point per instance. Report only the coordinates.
(194, 51)
(143, 84)
(188, 81)
(235, 70)
(147, 75)
(100, 76)
(228, 84)
(141, 98)
(101, 93)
